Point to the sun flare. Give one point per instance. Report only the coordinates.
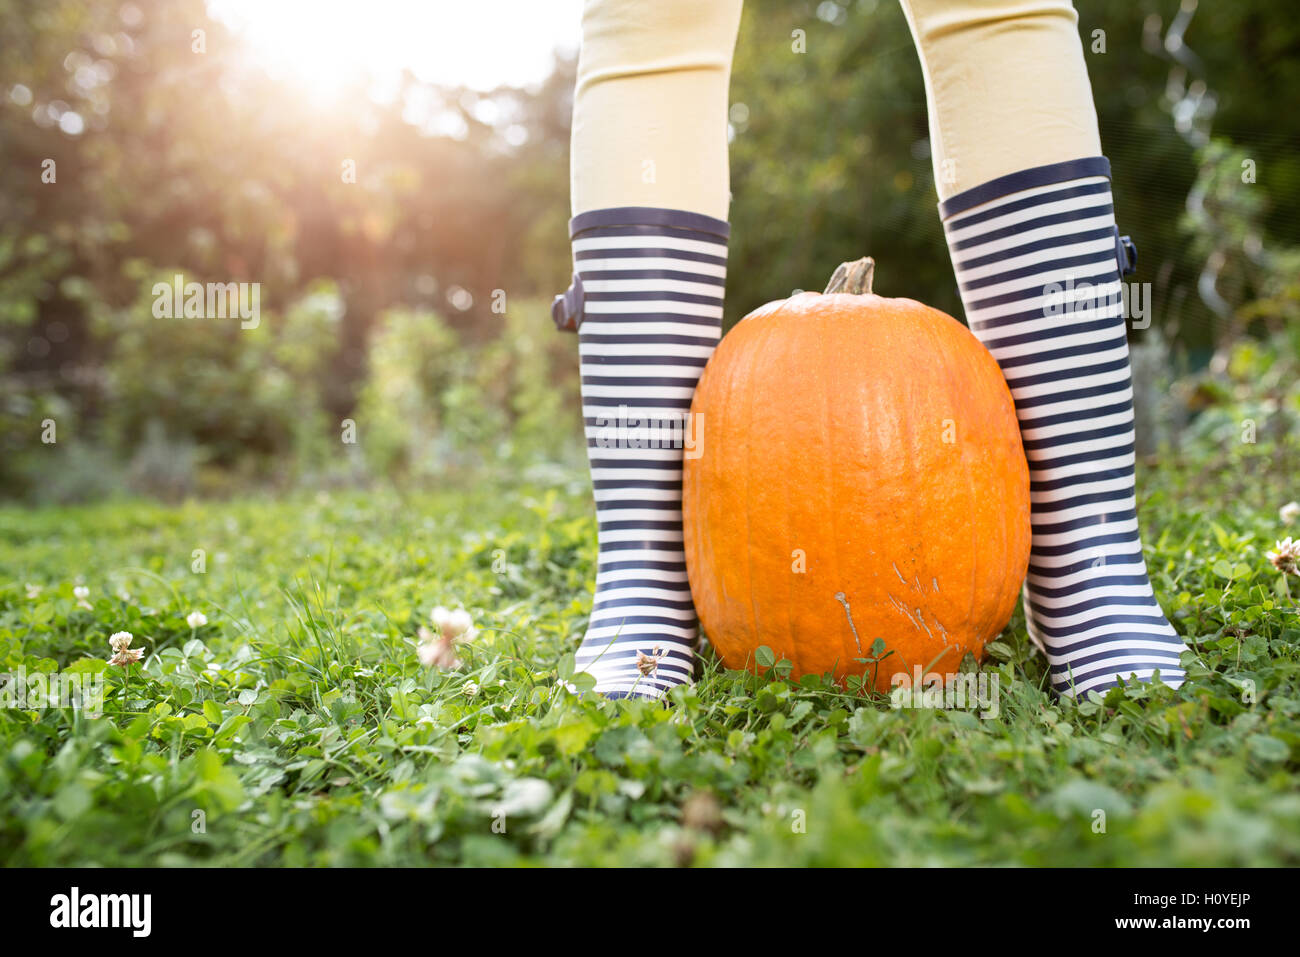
(321, 44)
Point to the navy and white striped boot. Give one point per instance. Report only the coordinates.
(1039, 260)
(646, 302)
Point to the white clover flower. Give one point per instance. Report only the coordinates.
(1284, 556)
(649, 664)
(123, 653)
(459, 622)
(436, 651)
(1290, 512)
(439, 651)
(33, 591)
(196, 619)
(452, 624)
(81, 593)
(470, 689)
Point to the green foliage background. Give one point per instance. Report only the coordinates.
(377, 295)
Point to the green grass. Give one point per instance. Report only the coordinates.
(297, 726)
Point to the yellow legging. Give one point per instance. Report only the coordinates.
(1005, 81)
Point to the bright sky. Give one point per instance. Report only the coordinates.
(475, 43)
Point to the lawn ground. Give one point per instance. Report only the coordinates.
(297, 725)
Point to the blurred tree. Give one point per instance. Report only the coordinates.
(130, 156)
(831, 159)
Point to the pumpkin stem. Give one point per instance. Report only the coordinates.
(853, 278)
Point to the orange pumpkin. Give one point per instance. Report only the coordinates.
(858, 474)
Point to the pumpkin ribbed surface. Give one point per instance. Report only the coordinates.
(859, 474)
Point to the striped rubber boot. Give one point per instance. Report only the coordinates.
(646, 302)
(1038, 260)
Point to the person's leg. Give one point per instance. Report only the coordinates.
(650, 197)
(1026, 205)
